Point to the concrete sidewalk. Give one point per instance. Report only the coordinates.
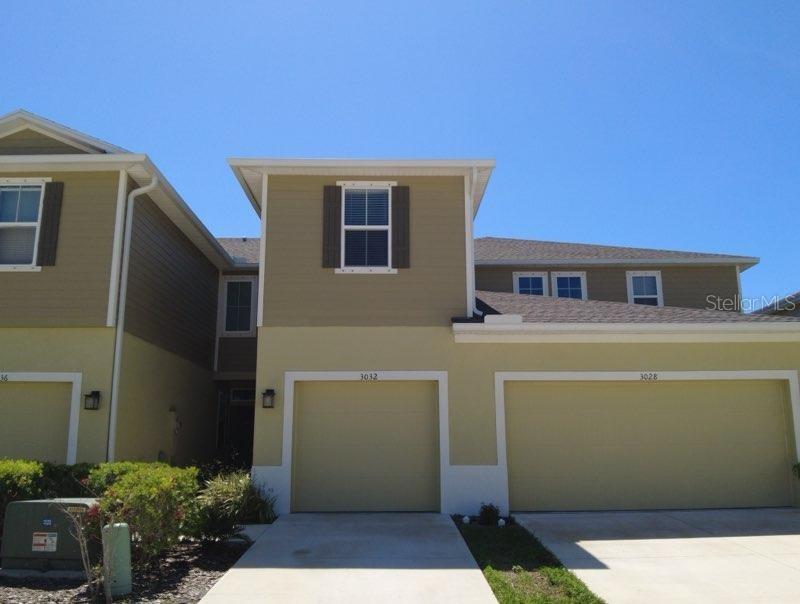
(356, 558)
(709, 556)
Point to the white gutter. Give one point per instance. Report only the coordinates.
(118, 335)
(564, 333)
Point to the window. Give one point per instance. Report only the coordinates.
(366, 227)
(20, 217)
(569, 285)
(532, 284)
(237, 305)
(644, 287)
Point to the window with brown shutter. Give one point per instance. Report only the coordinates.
(331, 226)
(401, 251)
(51, 217)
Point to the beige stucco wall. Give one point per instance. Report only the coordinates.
(471, 370)
(74, 292)
(298, 291)
(153, 381)
(85, 350)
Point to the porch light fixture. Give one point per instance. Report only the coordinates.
(91, 401)
(268, 398)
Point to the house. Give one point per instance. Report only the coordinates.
(611, 273)
(387, 379)
(788, 306)
(108, 303)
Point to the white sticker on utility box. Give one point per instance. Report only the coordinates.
(44, 542)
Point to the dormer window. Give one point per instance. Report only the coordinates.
(366, 227)
(530, 284)
(644, 287)
(20, 213)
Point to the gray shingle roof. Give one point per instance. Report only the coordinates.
(527, 251)
(780, 305)
(544, 309)
(243, 250)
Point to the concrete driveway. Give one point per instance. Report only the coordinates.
(678, 556)
(356, 558)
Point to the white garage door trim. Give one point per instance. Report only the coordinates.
(75, 400)
(279, 478)
(501, 377)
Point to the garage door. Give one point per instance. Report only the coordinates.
(34, 419)
(634, 445)
(365, 447)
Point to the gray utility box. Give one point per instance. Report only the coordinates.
(38, 535)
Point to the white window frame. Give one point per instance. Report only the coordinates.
(543, 275)
(629, 275)
(223, 305)
(41, 182)
(366, 270)
(554, 286)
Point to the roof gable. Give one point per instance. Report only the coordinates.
(22, 132)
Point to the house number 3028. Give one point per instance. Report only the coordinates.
(369, 377)
(649, 376)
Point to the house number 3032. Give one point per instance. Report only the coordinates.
(369, 377)
(649, 376)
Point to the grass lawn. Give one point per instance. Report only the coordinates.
(520, 570)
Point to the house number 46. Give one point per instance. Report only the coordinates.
(3, 377)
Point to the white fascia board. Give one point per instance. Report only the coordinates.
(277, 163)
(564, 333)
(741, 261)
(70, 163)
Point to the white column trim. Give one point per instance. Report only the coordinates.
(470, 179)
(262, 250)
(76, 380)
(116, 253)
(501, 377)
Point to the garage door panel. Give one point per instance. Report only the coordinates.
(365, 447)
(629, 445)
(34, 420)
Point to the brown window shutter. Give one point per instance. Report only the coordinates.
(331, 226)
(48, 230)
(401, 252)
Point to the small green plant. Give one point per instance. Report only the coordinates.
(155, 500)
(104, 475)
(226, 503)
(62, 480)
(19, 479)
(489, 514)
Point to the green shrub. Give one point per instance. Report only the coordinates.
(104, 475)
(19, 479)
(489, 514)
(155, 500)
(227, 502)
(67, 481)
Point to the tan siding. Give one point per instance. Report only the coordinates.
(74, 292)
(30, 142)
(298, 291)
(686, 287)
(237, 354)
(172, 288)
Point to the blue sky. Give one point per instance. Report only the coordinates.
(655, 124)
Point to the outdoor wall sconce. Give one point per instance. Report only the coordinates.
(268, 398)
(91, 401)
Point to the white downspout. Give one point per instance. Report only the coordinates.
(121, 299)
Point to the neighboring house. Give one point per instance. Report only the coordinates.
(386, 382)
(108, 285)
(615, 274)
(788, 306)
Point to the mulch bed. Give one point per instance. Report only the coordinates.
(185, 574)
